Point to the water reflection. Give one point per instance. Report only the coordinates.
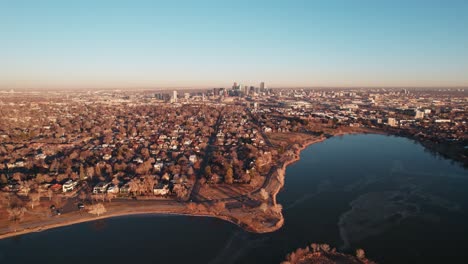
(385, 194)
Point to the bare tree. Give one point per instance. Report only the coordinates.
(57, 200)
(34, 199)
(5, 198)
(134, 186)
(110, 196)
(181, 191)
(3, 179)
(116, 181)
(90, 196)
(99, 197)
(360, 254)
(208, 171)
(16, 213)
(277, 208)
(50, 194)
(97, 209)
(26, 187)
(82, 196)
(82, 174)
(325, 247)
(190, 171)
(315, 247)
(264, 194)
(149, 182)
(228, 178)
(90, 172)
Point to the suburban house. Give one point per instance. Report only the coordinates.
(56, 187)
(101, 187)
(158, 166)
(69, 186)
(113, 188)
(161, 189)
(193, 158)
(125, 189)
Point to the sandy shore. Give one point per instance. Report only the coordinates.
(116, 211)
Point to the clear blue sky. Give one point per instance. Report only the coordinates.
(94, 44)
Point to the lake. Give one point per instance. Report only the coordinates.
(388, 195)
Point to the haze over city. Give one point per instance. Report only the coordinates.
(199, 44)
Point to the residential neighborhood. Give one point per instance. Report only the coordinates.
(137, 143)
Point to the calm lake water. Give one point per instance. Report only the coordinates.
(385, 194)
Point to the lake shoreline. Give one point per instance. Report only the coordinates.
(106, 216)
(121, 208)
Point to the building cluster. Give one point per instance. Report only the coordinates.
(121, 144)
(430, 114)
(56, 145)
(161, 143)
(238, 144)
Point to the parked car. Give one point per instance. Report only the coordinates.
(81, 206)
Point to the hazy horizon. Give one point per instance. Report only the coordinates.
(170, 88)
(204, 44)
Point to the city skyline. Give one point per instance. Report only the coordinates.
(144, 45)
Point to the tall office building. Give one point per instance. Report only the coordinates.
(262, 86)
(174, 96)
(222, 91)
